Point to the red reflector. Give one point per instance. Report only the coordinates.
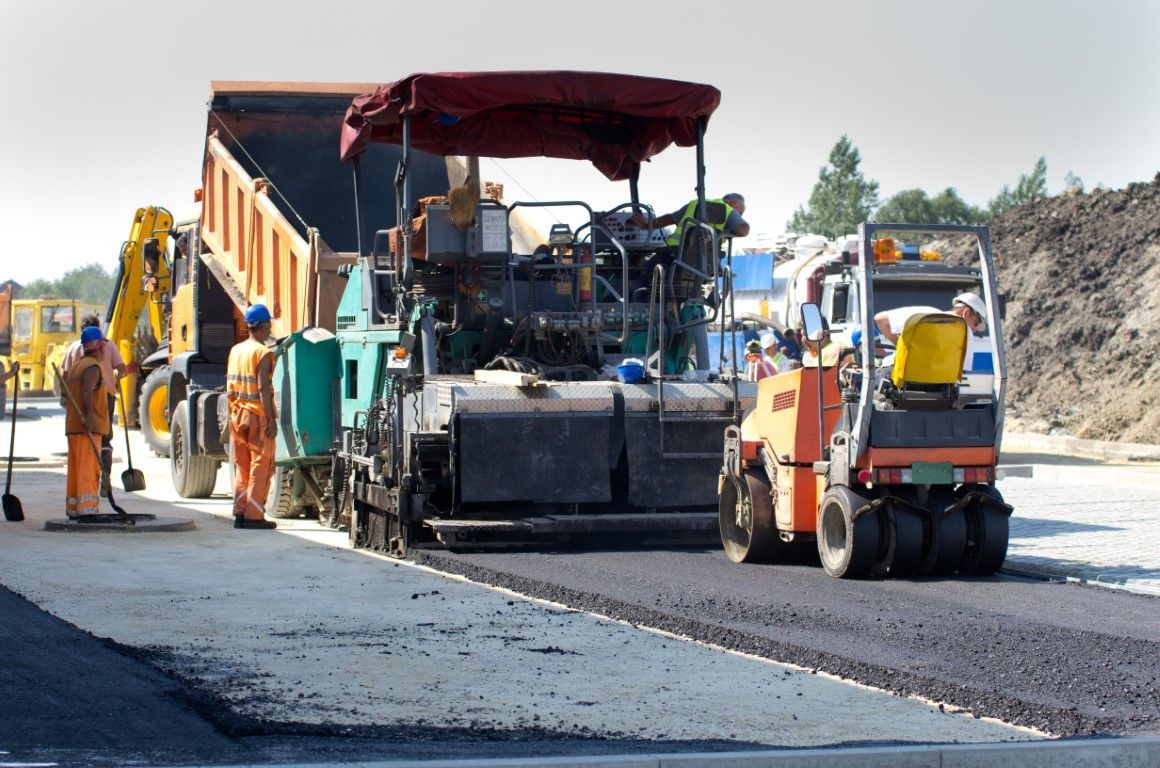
(896, 476)
(969, 475)
(864, 476)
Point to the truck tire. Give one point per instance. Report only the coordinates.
(153, 410)
(280, 499)
(194, 475)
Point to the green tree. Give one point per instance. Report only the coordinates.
(912, 206)
(1073, 182)
(841, 200)
(90, 284)
(1029, 188)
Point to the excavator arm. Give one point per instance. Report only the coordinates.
(141, 288)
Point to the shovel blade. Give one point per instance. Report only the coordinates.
(133, 480)
(13, 511)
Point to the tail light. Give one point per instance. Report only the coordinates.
(904, 475)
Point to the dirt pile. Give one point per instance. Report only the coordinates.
(1082, 277)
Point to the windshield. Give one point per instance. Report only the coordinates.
(58, 318)
(22, 324)
(894, 295)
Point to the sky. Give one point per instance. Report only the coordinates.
(104, 103)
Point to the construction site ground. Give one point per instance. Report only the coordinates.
(222, 646)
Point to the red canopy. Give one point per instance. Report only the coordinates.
(615, 121)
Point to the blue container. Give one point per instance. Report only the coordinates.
(631, 371)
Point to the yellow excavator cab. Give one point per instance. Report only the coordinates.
(930, 350)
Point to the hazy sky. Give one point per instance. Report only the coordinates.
(104, 102)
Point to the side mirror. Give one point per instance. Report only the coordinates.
(812, 322)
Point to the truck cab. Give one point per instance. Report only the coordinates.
(909, 278)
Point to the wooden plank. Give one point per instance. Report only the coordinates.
(511, 378)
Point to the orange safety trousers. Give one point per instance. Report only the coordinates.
(253, 462)
(84, 478)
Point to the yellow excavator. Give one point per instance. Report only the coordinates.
(137, 316)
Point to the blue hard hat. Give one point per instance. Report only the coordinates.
(257, 313)
(856, 336)
(92, 333)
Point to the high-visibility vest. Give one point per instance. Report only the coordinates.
(242, 375)
(74, 380)
(674, 239)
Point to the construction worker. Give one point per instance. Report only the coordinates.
(754, 362)
(250, 391)
(775, 360)
(733, 226)
(966, 305)
(113, 367)
(831, 350)
(89, 416)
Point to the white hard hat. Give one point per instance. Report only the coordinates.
(975, 303)
(768, 340)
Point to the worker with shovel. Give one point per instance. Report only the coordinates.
(87, 413)
(113, 367)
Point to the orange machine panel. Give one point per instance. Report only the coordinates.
(785, 416)
(797, 499)
(903, 457)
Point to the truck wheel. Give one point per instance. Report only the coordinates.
(848, 548)
(194, 475)
(748, 532)
(987, 534)
(280, 499)
(153, 410)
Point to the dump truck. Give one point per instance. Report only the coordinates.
(487, 395)
(880, 461)
(276, 224)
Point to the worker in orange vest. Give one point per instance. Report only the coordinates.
(250, 391)
(87, 415)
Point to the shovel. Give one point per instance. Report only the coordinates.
(131, 479)
(13, 511)
(125, 517)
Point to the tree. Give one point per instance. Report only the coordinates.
(841, 200)
(1073, 182)
(90, 284)
(1030, 187)
(912, 206)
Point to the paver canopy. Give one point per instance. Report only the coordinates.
(615, 121)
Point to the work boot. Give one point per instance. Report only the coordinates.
(241, 522)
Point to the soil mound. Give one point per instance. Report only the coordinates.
(1081, 273)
